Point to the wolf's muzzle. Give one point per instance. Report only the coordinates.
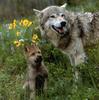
(61, 28)
(63, 24)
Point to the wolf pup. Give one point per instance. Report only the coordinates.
(37, 73)
(69, 31)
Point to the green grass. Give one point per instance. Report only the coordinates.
(13, 70)
(60, 82)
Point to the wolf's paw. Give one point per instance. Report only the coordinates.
(25, 85)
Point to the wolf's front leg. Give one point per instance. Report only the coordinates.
(26, 85)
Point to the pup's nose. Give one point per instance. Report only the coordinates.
(63, 23)
(39, 58)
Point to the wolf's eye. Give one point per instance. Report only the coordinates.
(52, 16)
(62, 15)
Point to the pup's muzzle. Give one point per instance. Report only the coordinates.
(39, 59)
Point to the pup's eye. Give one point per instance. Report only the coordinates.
(62, 15)
(52, 16)
(33, 54)
(39, 52)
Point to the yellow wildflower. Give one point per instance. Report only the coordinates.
(29, 24)
(12, 25)
(35, 38)
(14, 21)
(18, 33)
(34, 41)
(17, 43)
(21, 22)
(25, 22)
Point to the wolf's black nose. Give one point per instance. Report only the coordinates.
(63, 23)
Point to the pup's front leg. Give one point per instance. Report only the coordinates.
(32, 88)
(45, 85)
(44, 73)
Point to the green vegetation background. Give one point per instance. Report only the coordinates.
(13, 68)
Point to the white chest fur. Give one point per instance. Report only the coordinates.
(76, 52)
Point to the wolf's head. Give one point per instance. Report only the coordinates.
(53, 19)
(33, 55)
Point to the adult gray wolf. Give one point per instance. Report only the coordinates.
(37, 73)
(69, 31)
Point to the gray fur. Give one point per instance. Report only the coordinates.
(81, 29)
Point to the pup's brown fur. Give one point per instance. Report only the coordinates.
(37, 73)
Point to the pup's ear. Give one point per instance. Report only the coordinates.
(33, 44)
(37, 12)
(26, 48)
(64, 6)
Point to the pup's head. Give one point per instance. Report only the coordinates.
(33, 55)
(54, 19)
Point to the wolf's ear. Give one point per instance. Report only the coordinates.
(37, 12)
(64, 6)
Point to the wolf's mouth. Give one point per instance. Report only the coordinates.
(59, 29)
